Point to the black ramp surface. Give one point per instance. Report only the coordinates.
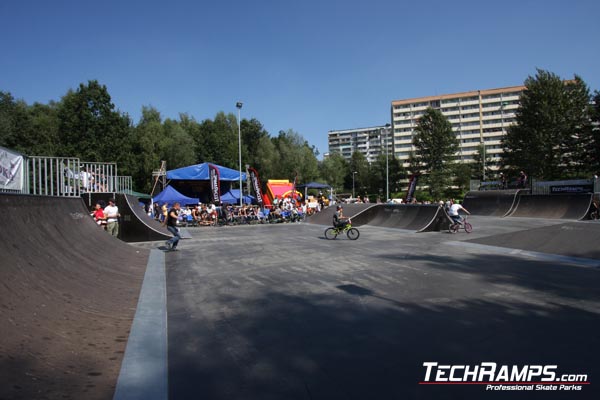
(136, 225)
(494, 203)
(555, 206)
(415, 217)
(574, 239)
(67, 299)
(325, 217)
(308, 318)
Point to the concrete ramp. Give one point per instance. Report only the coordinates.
(493, 203)
(136, 225)
(67, 300)
(555, 206)
(414, 217)
(325, 217)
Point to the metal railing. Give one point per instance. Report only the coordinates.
(52, 176)
(124, 184)
(98, 177)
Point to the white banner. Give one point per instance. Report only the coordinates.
(11, 170)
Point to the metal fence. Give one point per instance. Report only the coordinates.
(52, 176)
(98, 177)
(124, 184)
(69, 177)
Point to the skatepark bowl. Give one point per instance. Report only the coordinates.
(275, 311)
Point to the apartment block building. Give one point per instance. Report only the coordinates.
(480, 116)
(371, 142)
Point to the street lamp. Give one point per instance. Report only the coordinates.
(239, 107)
(353, 173)
(387, 165)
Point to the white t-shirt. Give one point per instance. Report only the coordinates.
(111, 211)
(453, 210)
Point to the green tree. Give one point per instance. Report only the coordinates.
(552, 124)
(14, 119)
(462, 174)
(591, 143)
(358, 173)
(481, 158)
(436, 146)
(296, 156)
(377, 178)
(253, 134)
(91, 128)
(147, 148)
(216, 141)
(179, 146)
(333, 170)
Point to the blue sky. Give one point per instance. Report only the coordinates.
(311, 66)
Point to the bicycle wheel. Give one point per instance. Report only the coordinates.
(468, 227)
(353, 233)
(331, 233)
(453, 228)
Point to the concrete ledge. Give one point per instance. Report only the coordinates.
(144, 370)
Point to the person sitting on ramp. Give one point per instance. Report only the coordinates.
(339, 221)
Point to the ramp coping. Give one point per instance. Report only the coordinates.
(144, 369)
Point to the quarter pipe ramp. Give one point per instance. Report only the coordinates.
(325, 217)
(555, 206)
(136, 225)
(68, 296)
(420, 218)
(493, 203)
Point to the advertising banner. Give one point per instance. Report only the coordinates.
(215, 184)
(256, 185)
(412, 186)
(11, 170)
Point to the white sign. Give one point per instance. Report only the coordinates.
(11, 170)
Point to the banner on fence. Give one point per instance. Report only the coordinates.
(11, 170)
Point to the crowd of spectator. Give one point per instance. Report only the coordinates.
(208, 214)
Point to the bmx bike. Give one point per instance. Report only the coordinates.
(333, 232)
(454, 227)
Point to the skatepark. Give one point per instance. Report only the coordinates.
(275, 311)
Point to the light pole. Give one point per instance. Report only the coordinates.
(239, 107)
(387, 165)
(353, 173)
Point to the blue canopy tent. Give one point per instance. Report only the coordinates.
(233, 197)
(170, 196)
(200, 172)
(194, 180)
(313, 185)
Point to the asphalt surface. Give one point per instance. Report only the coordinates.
(278, 312)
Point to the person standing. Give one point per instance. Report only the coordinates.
(99, 217)
(522, 180)
(171, 222)
(503, 181)
(111, 212)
